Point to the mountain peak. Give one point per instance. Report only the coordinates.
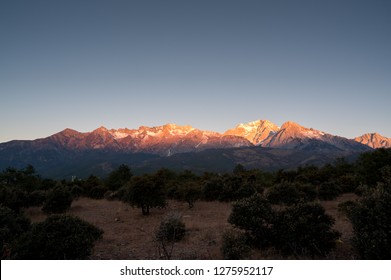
(256, 131)
(291, 124)
(69, 131)
(101, 128)
(374, 140)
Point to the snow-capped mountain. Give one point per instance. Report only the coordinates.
(255, 132)
(260, 144)
(294, 136)
(374, 140)
(163, 140)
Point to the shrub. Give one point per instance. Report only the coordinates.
(11, 226)
(13, 198)
(286, 194)
(190, 192)
(234, 245)
(308, 191)
(76, 191)
(329, 191)
(97, 192)
(348, 183)
(36, 198)
(305, 229)
(171, 228)
(255, 216)
(212, 189)
(58, 237)
(118, 177)
(145, 193)
(57, 201)
(371, 220)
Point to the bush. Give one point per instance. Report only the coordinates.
(36, 198)
(145, 193)
(118, 177)
(76, 191)
(171, 229)
(97, 192)
(329, 191)
(13, 198)
(305, 229)
(255, 216)
(212, 189)
(57, 201)
(285, 194)
(371, 220)
(234, 245)
(11, 226)
(190, 192)
(58, 237)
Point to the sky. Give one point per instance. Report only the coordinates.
(211, 64)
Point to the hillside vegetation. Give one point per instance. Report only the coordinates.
(338, 211)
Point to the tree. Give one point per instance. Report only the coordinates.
(369, 166)
(329, 191)
(239, 169)
(371, 220)
(284, 193)
(12, 225)
(145, 193)
(13, 197)
(59, 237)
(213, 188)
(189, 192)
(118, 177)
(305, 229)
(255, 216)
(57, 201)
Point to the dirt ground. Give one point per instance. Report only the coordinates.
(130, 235)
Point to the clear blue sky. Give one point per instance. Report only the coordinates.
(210, 64)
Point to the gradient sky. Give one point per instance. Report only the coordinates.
(210, 64)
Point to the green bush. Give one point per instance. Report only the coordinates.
(11, 226)
(76, 191)
(308, 191)
(145, 193)
(171, 229)
(212, 189)
(59, 237)
(329, 191)
(57, 201)
(286, 194)
(305, 229)
(97, 192)
(118, 177)
(13, 198)
(255, 216)
(234, 245)
(371, 220)
(36, 198)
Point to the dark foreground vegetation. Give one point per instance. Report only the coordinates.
(279, 211)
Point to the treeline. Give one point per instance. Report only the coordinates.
(270, 209)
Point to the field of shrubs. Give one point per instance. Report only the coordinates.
(338, 211)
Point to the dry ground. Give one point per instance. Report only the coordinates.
(130, 235)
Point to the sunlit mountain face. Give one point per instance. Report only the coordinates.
(374, 140)
(260, 144)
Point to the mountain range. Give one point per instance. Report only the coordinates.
(260, 144)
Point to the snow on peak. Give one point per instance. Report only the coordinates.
(255, 131)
